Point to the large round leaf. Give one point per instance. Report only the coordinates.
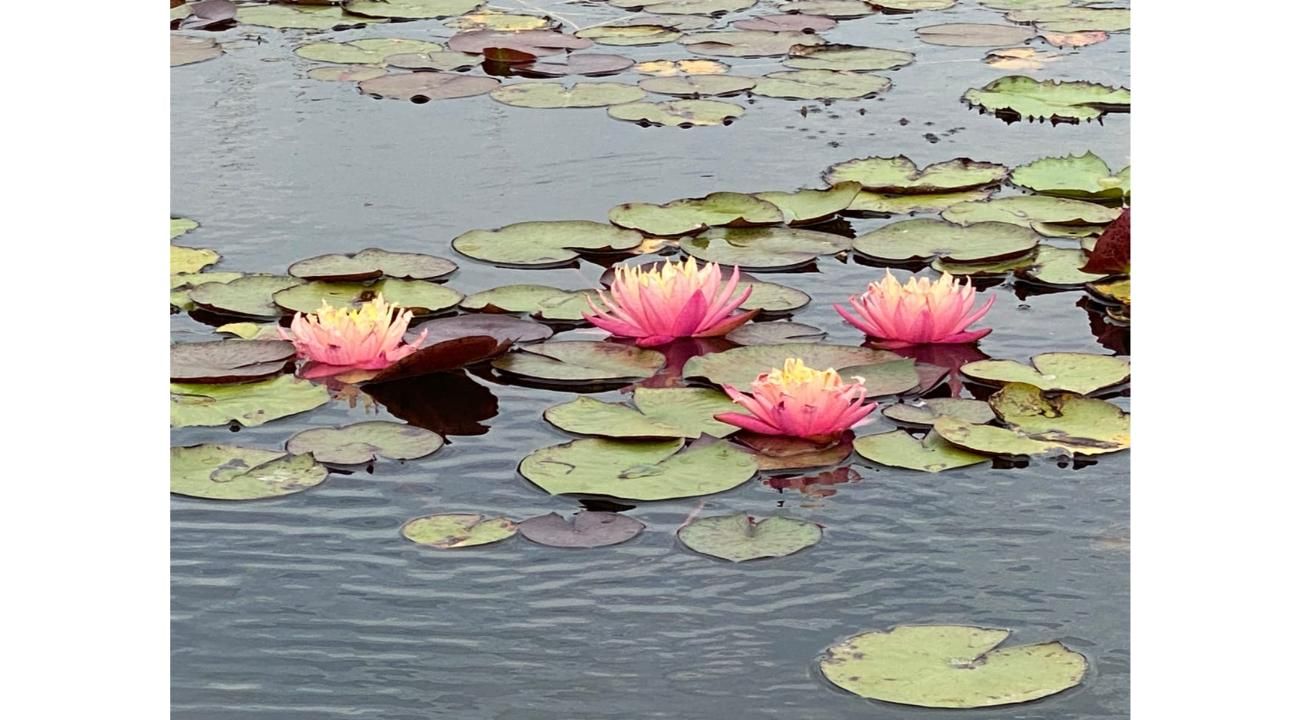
(532, 42)
(874, 203)
(365, 441)
(746, 43)
(779, 453)
(502, 327)
(522, 298)
(249, 404)
(372, 264)
(899, 449)
(228, 472)
(882, 379)
(1020, 97)
(678, 113)
(421, 87)
(1059, 267)
(692, 215)
(1083, 177)
(950, 666)
(775, 333)
(741, 366)
(846, 57)
(638, 470)
(925, 238)
(820, 85)
(246, 297)
(630, 35)
(684, 7)
(586, 530)
(496, 20)
(191, 260)
(774, 248)
(1084, 425)
(1073, 19)
(1073, 372)
(457, 530)
(369, 51)
(411, 9)
(899, 175)
(840, 9)
(658, 413)
(739, 538)
(974, 35)
(794, 21)
(991, 440)
(1027, 210)
(545, 243)
(698, 85)
(924, 412)
(305, 17)
(557, 95)
(989, 269)
(232, 360)
(592, 64)
(418, 296)
(440, 61)
(580, 362)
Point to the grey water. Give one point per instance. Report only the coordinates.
(313, 606)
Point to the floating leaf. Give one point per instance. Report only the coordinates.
(775, 333)
(531, 42)
(514, 298)
(698, 85)
(672, 68)
(741, 366)
(901, 6)
(1119, 291)
(1059, 267)
(348, 73)
(1074, 19)
(1081, 373)
(305, 17)
(228, 472)
(191, 260)
(1085, 177)
(189, 50)
(440, 356)
(924, 412)
(364, 442)
(581, 362)
(974, 35)
(369, 51)
(1023, 4)
(251, 331)
(820, 85)
(840, 9)
(746, 43)
(899, 449)
(873, 203)
(1020, 58)
(925, 238)
(1112, 253)
(546, 243)
(692, 215)
(183, 283)
(678, 113)
(893, 377)
(774, 248)
(209, 15)
(638, 470)
(441, 61)
(993, 440)
(739, 538)
(990, 269)
(773, 452)
(248, 296)
(418, 296)
(684, 7)
(372, 264)
(457, 530)
(502, 327)
(421, 87)
(586, 530)
(793, 22)
(899, 175)
(677, 21)
(1020, 97)
(950, 666)
(410, 9)
(557, 95)
(846, 57)
(249, 404)
(592, 64)
(1083, 425)
(495, 20)
(658, 413)
(630, 35)
(180, 226)
(226, 361)
(1025, 210)
(1073, 40)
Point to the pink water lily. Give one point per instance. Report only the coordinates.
(674, 300)
(920, 312)
(798, 401)
(340, 339)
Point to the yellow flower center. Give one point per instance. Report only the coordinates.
(663, 277)
(796, 374)
(375, 315)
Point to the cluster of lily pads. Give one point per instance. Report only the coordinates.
(488, 44)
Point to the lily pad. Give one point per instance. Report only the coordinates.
(795, 22)
(974, 34)
(1020, 97)
(1059, 267)
(421, 87)
(346, 73)
(692, 215)
(496, 20)
(926, 238)
(228, 472)
(839, 9)
(410, 9)
(304, 17)
(775, 453)
(249, 404)
(1081, 373)
(874, 203)
(1118, 291)
(638, 470)
(590, 64)
(899, 175)
(674, 68)
(881, 379)
(557, 95)
(522, 298)
(684, 7)
(1020, 58)
(372, 264)
(1083, 425)
(950, 666)
(1074, 19)
(990, 269)
(545, 243)
(191, 260)
(746, 43)
(457, 530)
(504, 328)
(775, 333)
(246, 297)
(369, 51)
(364, 442)
(846, 57)
(1023, 4)
(441, 61)
(1085, 234)
(440, 356)
(180, 226)
(678, 113)
(183, 283)
(630, 35)
(232, 360)
(418, 296)
(580, 362)
(658, 413)
(1074, 39)
(532, 42)
(188, 50)
(1085, 177)
(899, 449)
(739, 538)
(905, 6)
(763, 249)
(820, 85)
(740, 366)
(924, 412)
(698, 85)
(250, 330)
(772, 298)
(587, 529)
(1026, 210)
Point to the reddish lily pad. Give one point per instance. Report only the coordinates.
(773, 452)
(231, 360)
(421, 87)
(443, 356)
(792, 22)
(590, 64)
(462, 408)
(372, 264)
(587, 529)
(504, 328)
(1112, 253)
(346, 73)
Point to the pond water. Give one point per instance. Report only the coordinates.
(313, 606)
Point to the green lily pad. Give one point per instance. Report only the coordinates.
(248, 296)
(251, 331)
(638, 470)
(186, 50)
(900, 176)
(675, 68)
(772, 298)
(372, 264)
(411, 9)
(370, 51)
(364, 442)
(684, 7)
(899, 449)
(924, 412)
(950, 666)
(881, 379)
(421, 87)
(1083, 177)
(1081, 373)
(658, 413)
(692, 215)
(192, 260)
(544, 243)
(678, 113)
(529, 42)
(183, 283)
(746, 43)
(1083, 425)
(249, 404)
(820, 85)
(1073, 19)
(580, 362)
(522, 298)
(903, 6)
(180, 226)
(502, 21)
(1023, 4)
(974, 35)
(1025, 210)
(739, 538)
(1020, 97)
(228, 472)
(763, 248)
(591, 64)
(926, 238)
(1083, 233)
(457, 530)
(231, 360)
(838, 9)
(440, 61)
(418, 296)
(346, 73)
(992, 440)
(876, 204)
(1059, 267)
(775, 333)
(630, 35)
(557, 95)
(991, 269)
(740, 366)
(304, 17)
(698, 85)
(846, 57)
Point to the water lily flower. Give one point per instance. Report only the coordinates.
(920, 312)
(674, 300)
(340, 339)
(798, 401)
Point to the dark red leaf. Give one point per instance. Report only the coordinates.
(1111, 255)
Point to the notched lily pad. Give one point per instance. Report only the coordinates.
(741, 366)
(698, 85)
(191, 260)
(885, 204)
(587, 529)
(775, 333)
(740, 537)
(820, 85)
(497, 20)
(418, 296)
(249, 404)
(638, 470)
(369, 51)
(630, 35)
(228, 472)
(792, 22)
(1073, 19)
(1027, 210)
(746, 43)
(678, 113)
(1083, 177)
(364, 442)
(546, 243)
(924, 412)
(410, 9)
(839, 9)
(557, 95)
(1017, 97)
(531, 42)
(899, 449)
(1059, 267)
(1081, 373)
(421, 87)
(303, 17)
(656, 413)
(676, 68)
(457, 530)
(693, 215)
(503, 328)
(590, 64)
(246, 297)
(232, 360)
(900, 176)
(846, 57)
(580, 362)
(974, 34)
(926, 238)
(372, 264)
(1082, 425)
(763, 248)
